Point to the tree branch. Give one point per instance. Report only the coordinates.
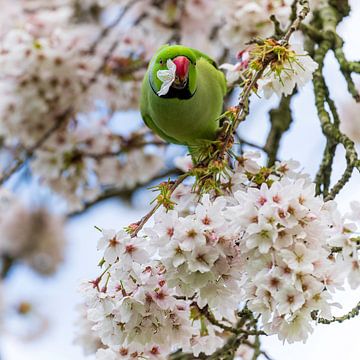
(105, 31)
(125, 147)
(7, 262)
(350, 315)
(119, 193)
(330, 127)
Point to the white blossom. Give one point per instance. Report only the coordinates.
(85, 336)
(167, 77)
(268, 245)
(184, 163)
(38, 239)
(296, 71)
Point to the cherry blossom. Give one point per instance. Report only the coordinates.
(296, 71)
(268, 245)
(38, 240)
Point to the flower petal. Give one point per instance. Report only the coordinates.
(167, 77)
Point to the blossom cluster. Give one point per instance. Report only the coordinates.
(78, 162)
(292, 68)
(37, 240)
(295, 69)
(39, 83)
(33, 237)
(267, 242)
(45, 80)
(247, 20)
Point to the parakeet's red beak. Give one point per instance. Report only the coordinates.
(182, 68)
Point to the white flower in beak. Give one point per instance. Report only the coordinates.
(167, 77)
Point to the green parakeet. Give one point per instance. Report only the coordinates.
(182, 95)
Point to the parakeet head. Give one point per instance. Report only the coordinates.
(173, 72)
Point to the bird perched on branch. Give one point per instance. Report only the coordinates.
(182, 96)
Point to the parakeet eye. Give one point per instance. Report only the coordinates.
(161, 62)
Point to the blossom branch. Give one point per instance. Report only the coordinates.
(244, 316)
(353, 66)
(312, 32)
(351, 314)
(346, 68)
(237, 114)
(140, 224)
(277, 26)
(296, 23)
(324, 174)
(239, 337)
(228, 351)
(329, 17)
(120, 193)
(212, 319)
(242, 109)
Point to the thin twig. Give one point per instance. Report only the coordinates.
(212, 319)
(145, 219)
(350, 315)
(7, 262)
(250, 143)
(242, 109)
(295, 25)
(277, 26)
(259, 351)
(126, 147)
(120, 193)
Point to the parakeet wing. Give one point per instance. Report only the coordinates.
(149, 123)
(221, 77)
